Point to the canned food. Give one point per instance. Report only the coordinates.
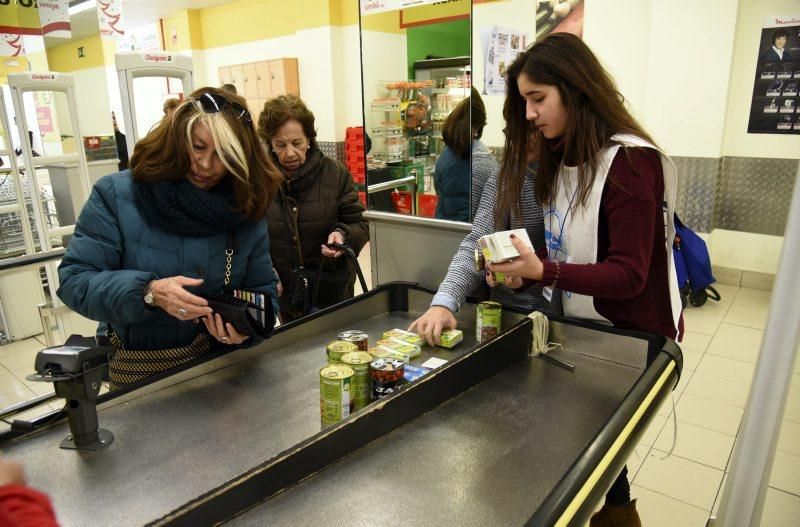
(386, 376)
(359, 361)
(335, 383)
(487, 320)
(357, 337)
(337, 348)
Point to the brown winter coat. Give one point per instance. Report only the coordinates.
(319, 198)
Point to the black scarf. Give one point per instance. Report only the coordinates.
(179, 207)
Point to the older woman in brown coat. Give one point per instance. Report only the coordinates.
(316, 205)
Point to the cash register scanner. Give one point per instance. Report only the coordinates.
(77, 371)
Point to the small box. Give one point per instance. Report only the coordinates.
(412, 373)
(405, 336)
(382, 352)
(451, 337)
(412, 350)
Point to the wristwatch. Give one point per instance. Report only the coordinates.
(149, 299)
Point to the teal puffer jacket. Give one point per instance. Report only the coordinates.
(115, 253)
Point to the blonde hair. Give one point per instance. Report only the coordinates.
(164, 153)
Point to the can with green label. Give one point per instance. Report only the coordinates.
(335, 386)
(359, 387)
(487, 320)
(337, 348)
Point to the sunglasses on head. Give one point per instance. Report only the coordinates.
(212, 103)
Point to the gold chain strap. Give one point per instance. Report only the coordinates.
(228, 263)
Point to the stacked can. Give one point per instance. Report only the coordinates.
(337, 348)
(357, 337)
(487, 320)
(335, 387)
(386, 376)
(359, 361)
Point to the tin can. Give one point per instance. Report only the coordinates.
(359, 361)
(337, 348)
(335, 383)
(487, 320)
(357, 337)
(386, 376)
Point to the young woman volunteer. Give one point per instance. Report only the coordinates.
(608, 196)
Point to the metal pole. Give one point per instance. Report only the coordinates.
(743, 497)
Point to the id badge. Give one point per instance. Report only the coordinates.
(547, 293)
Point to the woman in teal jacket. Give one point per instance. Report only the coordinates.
(151, 240)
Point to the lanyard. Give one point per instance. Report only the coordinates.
(554, 255)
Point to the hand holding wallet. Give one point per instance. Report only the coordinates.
(252, 317)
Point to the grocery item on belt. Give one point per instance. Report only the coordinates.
(406, 336)
(411, 350)
(488, 318)
(382, 352)
(335, 382)
(357, 337)
(337, 348)
(451, 337)
(359, 387)
(412, 373)
(386, 376)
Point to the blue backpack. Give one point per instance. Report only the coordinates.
(693, 266)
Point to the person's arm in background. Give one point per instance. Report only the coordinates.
(462, 278)
(92, 282)
(22, 506)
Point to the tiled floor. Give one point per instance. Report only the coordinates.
(720, 349)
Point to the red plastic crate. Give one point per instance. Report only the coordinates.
(355, 167)
(355, 156)
(354, 132)
(358, 177)
(354, 145)
(362, 196)
(426, 205)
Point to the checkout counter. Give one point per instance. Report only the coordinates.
(492, 436)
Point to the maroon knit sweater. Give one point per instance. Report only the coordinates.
(629, 281)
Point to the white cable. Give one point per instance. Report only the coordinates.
(540, 330)
(674, 427)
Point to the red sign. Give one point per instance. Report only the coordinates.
(45, 119)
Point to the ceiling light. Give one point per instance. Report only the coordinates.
(83, 6)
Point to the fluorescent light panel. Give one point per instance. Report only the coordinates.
(83, 6)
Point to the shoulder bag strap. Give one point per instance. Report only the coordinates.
(230, 250)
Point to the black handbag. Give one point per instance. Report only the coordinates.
(249, 312)
(301, 285)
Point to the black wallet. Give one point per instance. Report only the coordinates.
(249, 312)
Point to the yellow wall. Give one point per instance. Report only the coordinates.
(65, 58)
(178, 24)
(11, 65)
(254, 20)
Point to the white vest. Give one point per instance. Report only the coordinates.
(571, 230)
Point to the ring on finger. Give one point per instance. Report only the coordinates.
(224, 339)
(181, 312)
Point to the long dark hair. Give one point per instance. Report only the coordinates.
(163, 154)
(595, 112)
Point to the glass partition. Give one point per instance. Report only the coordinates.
(416, 70)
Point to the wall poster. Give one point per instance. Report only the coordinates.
(775, 89)
(502, 46)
